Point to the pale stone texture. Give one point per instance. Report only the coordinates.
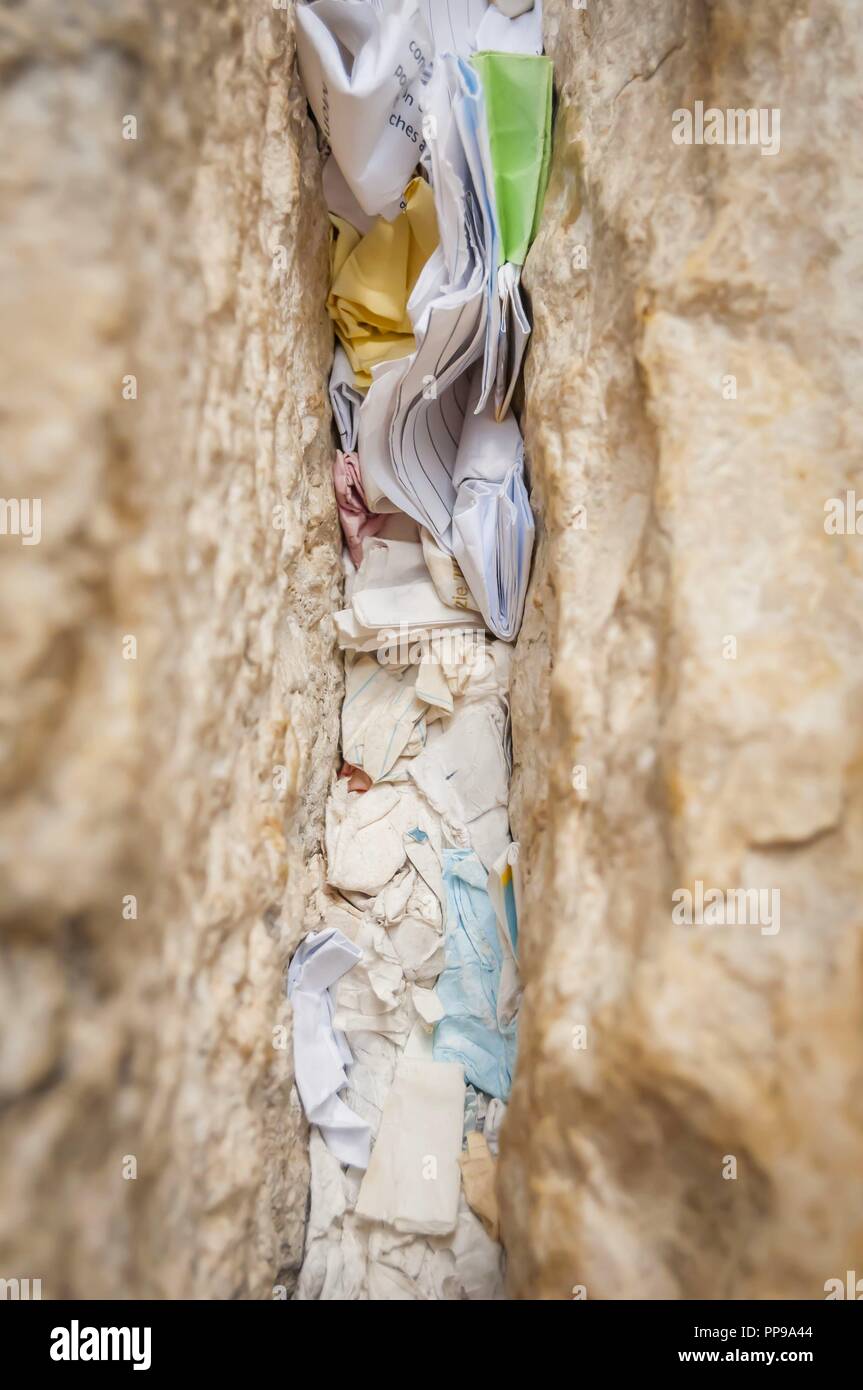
(704, 520)
(159, 776)
(154, 777)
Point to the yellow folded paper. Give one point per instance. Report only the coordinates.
(372, 279)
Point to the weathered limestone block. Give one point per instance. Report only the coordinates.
(192, 510)
(687, 682)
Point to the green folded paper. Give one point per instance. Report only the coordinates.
(517, 88)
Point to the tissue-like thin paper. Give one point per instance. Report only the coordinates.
(471, 1032)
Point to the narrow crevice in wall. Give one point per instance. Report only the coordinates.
(434, 173)
(684, 692)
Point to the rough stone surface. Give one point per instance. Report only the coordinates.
(193, 776)
(704, 521)
(673, 517)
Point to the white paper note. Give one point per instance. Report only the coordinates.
(363, 67)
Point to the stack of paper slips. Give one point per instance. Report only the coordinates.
(432, 325)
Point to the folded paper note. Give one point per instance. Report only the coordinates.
(321, 1052)
(513, 27)
(372, 280)
(472, 1032)
(393, 598)
(453, 27)
(383, 717)
(345, 399)
(413, 1178)
(492, 524)
(517, 91)
(363, 67)
(513, 8)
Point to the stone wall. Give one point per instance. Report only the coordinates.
(687, 682)
(192, 257)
